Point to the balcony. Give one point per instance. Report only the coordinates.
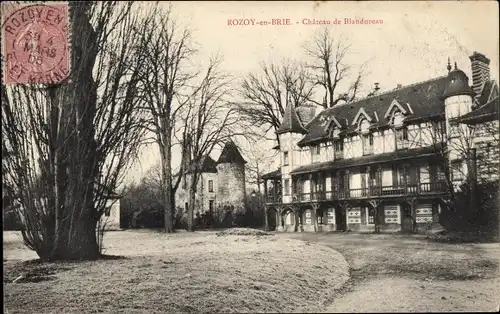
(371, 192)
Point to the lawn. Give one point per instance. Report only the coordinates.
(198, 272)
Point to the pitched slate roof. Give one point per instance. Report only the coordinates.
(368, 160)
(231, 154)
(487, 112)
(291, 121)
(424, 99)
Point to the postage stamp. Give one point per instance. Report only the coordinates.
(35, 44)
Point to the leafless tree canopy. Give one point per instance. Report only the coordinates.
(325, 79)
(266, 94)
(210, 119)
(72, 142)
(330, 69)
(164, 78)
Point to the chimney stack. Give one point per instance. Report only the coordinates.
(480, 65)
(376, 88)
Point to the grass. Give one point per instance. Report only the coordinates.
(181, 273)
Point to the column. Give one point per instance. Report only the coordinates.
(379, 179)
(266, 192)
(405, 178)
(346, 184)
(275, 185)
(266, 220)
(368, 181)
(279, 219)
(310, 187)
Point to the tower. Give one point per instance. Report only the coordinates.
(231, 188)
(289, 133)
(458, 100)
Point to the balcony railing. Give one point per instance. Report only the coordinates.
(338, 154)
(410, 189)
(368, 150)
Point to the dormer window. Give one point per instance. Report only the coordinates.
(364, 126)
(397, 119)
(333, 128)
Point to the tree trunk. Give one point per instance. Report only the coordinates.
(192, 199)
(83, 245)
(166, 159)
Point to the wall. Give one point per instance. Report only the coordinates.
(113, 220)
(231, 186)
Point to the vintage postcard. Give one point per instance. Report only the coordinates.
(250, 156)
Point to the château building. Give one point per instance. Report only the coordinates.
(388, 161)
(221, 183)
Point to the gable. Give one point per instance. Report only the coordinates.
(395, 105)
(361, 114)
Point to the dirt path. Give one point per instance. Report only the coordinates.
(404, 274)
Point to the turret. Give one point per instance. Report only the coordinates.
(231, 178)
(290, 133)
(458, 100)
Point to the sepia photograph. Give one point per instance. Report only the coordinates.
(250, 156)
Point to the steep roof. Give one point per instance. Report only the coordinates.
(291, 121)
(208, 165)
(231, 154)
(485, 113)
(423, 100)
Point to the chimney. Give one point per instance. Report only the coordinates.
(376, 88)
(480, 71)
(399, 86)
(306, 113)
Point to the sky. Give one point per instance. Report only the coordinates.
(412, 44)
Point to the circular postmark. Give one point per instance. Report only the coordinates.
(35, 44)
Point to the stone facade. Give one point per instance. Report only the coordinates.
(221, 184)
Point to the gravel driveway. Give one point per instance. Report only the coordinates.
(407, 273)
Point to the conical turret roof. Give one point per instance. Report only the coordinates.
(291, 122)
(231, 154)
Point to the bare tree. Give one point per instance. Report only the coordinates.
(266, 94)
(72, 142)
(210, 120)
(164, 77)
(330, 69)
(260, 160)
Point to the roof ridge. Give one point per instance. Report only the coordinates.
(389, 91)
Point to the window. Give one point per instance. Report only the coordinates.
(315, 153)
(370, 216)
(184, 182)
(107, 211)
(287, 186)
(398, 119)
(456, 171)
(285, 158)
(367, 144)
(211, 205)
(210, 185)
(338, 147)
(186, 207)
(364, 126)
(401, 138)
